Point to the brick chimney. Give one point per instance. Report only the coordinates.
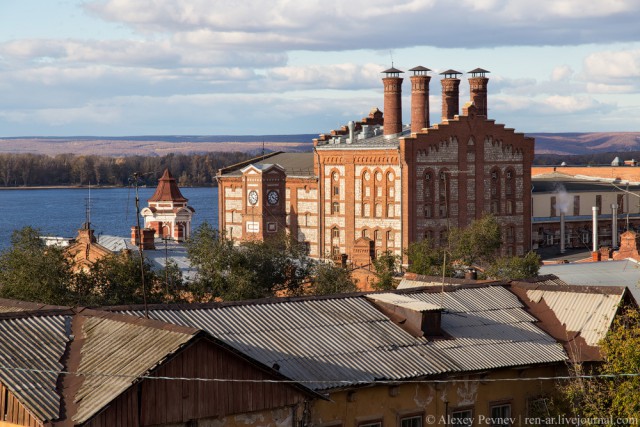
(450, 94)
(392, 102)
(419, 98)
(478, 89)
(148, 242)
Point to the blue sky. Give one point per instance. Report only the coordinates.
(152, 67)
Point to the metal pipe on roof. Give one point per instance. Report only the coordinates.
(614, 226)
(595, 228)
(562, 232)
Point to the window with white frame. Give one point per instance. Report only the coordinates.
(411, 421)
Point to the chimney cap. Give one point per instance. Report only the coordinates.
(393, 71)
(451, 74)
(478, 72)
(419, 70)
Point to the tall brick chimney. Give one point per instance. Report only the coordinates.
(419, 98)
(392, 102)
(450, 94)
(478, 89)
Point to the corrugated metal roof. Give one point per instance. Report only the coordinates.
(609, 273)
(122, 348)
(332, 342)
(590, 314)
(37, 343)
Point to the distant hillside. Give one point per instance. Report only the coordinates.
(159, 145)
(155, 145)
(586, 143)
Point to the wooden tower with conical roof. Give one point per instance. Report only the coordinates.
(168, 213)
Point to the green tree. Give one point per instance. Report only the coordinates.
(385, 268)
(426, 259)
(116, 280)
(476, 244)
(328, 279)
(254, 269)
(619, 394)
(32, 271)
(514, 267)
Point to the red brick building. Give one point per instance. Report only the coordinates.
(376, 185)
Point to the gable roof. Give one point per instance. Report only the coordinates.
(342, 341)
(31, 348)
(577, 316)
(64, 363)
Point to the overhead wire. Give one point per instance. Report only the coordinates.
(333, 382)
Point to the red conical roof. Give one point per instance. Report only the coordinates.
(167, 190)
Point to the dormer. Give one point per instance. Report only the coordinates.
(418, 318)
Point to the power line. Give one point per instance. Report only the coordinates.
(344, 382)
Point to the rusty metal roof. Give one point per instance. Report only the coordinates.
(117, 346)
(333, 342)
(35, 343)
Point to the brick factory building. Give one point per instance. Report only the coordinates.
(376, 185)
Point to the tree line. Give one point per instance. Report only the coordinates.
(31, 170)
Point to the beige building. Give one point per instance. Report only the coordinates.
(557, 195)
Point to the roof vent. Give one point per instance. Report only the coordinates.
(419, 318)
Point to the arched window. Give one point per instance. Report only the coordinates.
(444, 190)
(494, 189)
(510, 191)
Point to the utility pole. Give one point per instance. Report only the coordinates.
(136, 177)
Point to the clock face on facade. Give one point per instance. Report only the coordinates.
(253, 197)
(273, 197)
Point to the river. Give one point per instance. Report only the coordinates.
(61, 212)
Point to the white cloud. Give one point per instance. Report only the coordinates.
(608, 65)
(561, 73)
(358, 24)
(570, 104)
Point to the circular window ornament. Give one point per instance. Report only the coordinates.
(378, 176)
(273, 197)
(253, 197)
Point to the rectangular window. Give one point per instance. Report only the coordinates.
(335, 233)
(462, 418)
(427, 211)
(509, 206)
(390, 211)
(371, 424)
(335, 207)
(599, 203)
(413, 421)
(576, 205)
(500, 415)
(620, 203)
(552, 206)
(336, 191)
(390, 236)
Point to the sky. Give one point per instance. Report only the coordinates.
(258, 67)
